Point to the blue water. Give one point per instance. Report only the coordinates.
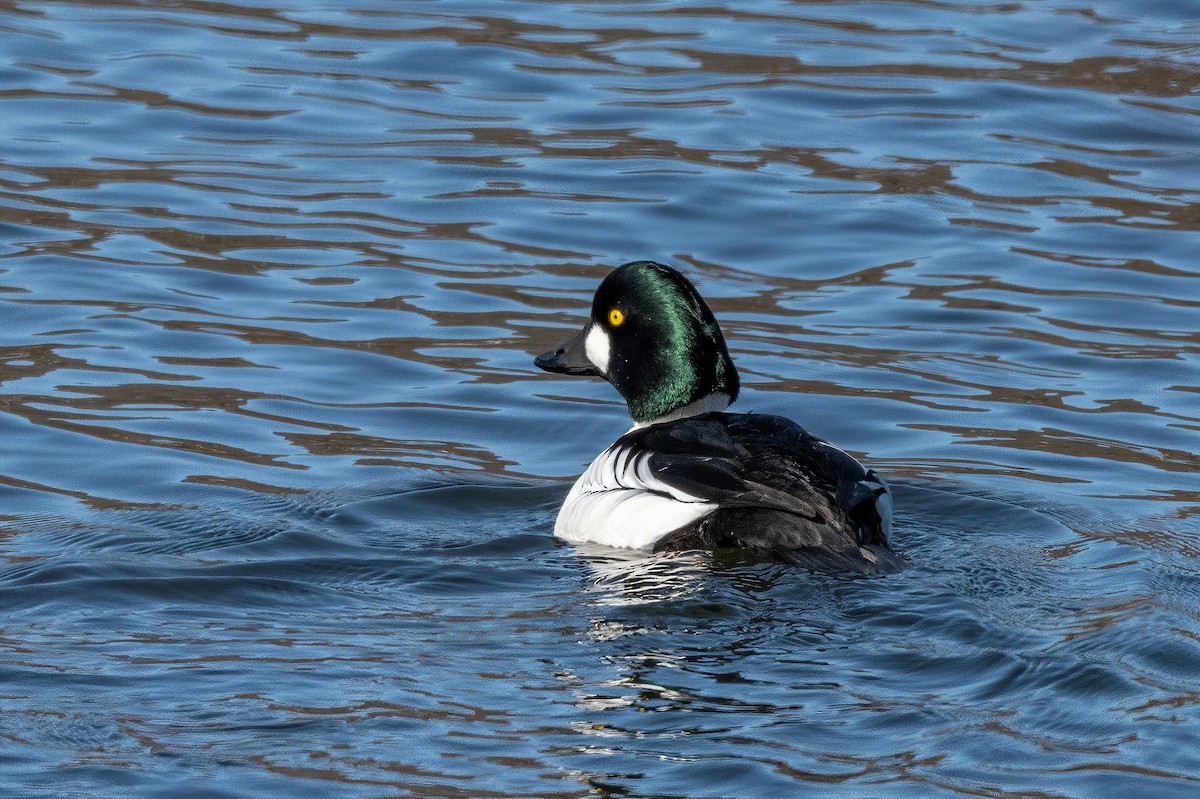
(278, 476)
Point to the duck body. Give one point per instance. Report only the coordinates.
(730, 480)
(690, 475)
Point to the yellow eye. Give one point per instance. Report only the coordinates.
(616, 318)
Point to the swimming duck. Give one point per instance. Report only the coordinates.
(688, 475)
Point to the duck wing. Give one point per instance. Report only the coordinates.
(759, 461)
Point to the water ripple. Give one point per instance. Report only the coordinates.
(278, 477)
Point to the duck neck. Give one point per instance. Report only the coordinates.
(710, 403)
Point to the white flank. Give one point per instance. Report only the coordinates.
(618, 502)
(598, 348)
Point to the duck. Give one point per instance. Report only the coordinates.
(690, 475)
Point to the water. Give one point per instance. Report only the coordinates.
(278, 476)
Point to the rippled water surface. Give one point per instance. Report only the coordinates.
(278, 476)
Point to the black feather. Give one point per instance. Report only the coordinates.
(780, 490)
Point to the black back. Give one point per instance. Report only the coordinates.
(781, 489)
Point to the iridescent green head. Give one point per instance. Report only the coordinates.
(651, 336)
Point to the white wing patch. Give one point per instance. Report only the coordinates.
(619, 502)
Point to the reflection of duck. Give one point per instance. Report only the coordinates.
(623, 577)
(687, 475)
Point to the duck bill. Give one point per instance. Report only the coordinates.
(569, 358)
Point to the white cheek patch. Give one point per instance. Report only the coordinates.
(598, 347)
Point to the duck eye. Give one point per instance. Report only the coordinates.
(616, 318)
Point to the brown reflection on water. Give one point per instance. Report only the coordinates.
(1074, 444)
(147, 397)
(1144, 265)
(147, 98)
(92, 424)
(375, 451)
(1110, 74)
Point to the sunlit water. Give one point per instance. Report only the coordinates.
(278, 476)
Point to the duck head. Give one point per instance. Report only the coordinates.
(651, 336)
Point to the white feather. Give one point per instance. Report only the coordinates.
(598, 348)
(619, 502)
